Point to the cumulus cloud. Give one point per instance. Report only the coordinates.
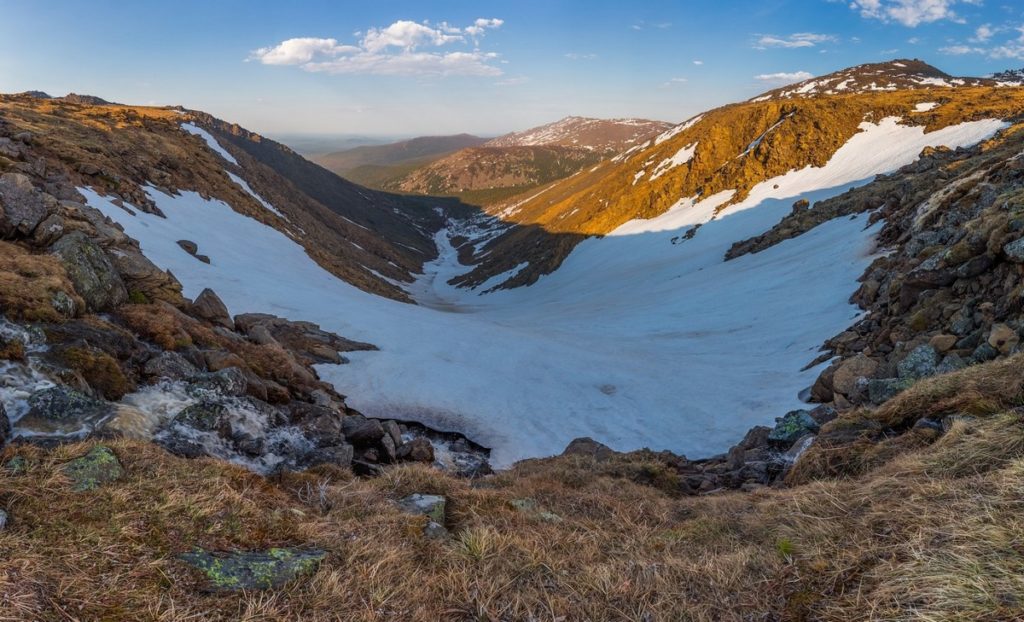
(795, 40)
(402, 48)
(910, 13)
(783, 77)
(1011, 49)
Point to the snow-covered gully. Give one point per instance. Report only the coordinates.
(635, 341)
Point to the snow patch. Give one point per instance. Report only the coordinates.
(211, 142)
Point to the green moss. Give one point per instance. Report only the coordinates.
(137, 298)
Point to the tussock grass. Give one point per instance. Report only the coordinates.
(29, 285)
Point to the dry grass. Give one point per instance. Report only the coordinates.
(933, 534)
(29, 284)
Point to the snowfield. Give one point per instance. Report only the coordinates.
(640, 339)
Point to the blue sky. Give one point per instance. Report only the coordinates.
(395, 67)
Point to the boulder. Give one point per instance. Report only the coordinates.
(846, 379)
(63, 413)
(208, 306)
(90, 271)
(252, 570)
(170, 365)
(143, 276)
(98, 467)
(791, 427)
(921, 362)
(338, 455)
(417, 450)
(1003, 338)
(22, 207)
(228, 381)
(206, 416)
(588, 447)
(360, 430)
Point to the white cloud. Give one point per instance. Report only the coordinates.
(660, 25)
(983, 33)
(910, 13)
(512, 81)
(783, 77)
(397, 49)
(961, 50)
(698, 62)
(1012, 49)
(577, 56)
(673, 82)
(795, 40)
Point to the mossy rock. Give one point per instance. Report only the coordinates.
(17, 465)
(253, 570)
(94, 469)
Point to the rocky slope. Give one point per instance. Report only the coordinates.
(729, 149)
(519, 162)
(358, 234)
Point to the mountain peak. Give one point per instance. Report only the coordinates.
(894, 75)
(584, 132)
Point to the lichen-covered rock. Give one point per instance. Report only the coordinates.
(585, 446)
(791, 427)
(883, 389)
(90, 271)
(847, 376)
(431, 506)
(61, 412)
(227, 381)
(98, 467)
(170, 365)
(921, 362)
(253, 570)
(1015, 250)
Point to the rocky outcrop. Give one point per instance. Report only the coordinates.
(252, 570)
(91, 272)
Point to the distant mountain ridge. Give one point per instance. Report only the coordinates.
(588, 133)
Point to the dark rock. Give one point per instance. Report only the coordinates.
(393, 431)
(90, 271)
(208, 306)
(307, 340)
(4, 519)
(884, 389)
(1015, 250)
(169, 365)
(417, 450)
(360, 430)
(984, 352)
(790, 427)
(387, 449)
(823, 414)
(590, 448)
(253, 570)
(921, 362)
(63, 413)
(205, 416)
(98, 467)
(321, 425)
(5, 427)
(338, 455)
(229, 381)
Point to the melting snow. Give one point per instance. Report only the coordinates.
(926, 106)
(211, 142)
(245, 186)
(634, 341)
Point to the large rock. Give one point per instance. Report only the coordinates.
(253, 570)
(417, 450)
(847, 377)
(141, 275)
(63, 413)
(170, 365)
(921, 362)
(431, 506)
(22, 207)
(1015, 250)
(307, 340)
(5, 427)
(91, 271)
(360, 430)
(98, 467)
(588, 447)
(227, 381)
(208, 306)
